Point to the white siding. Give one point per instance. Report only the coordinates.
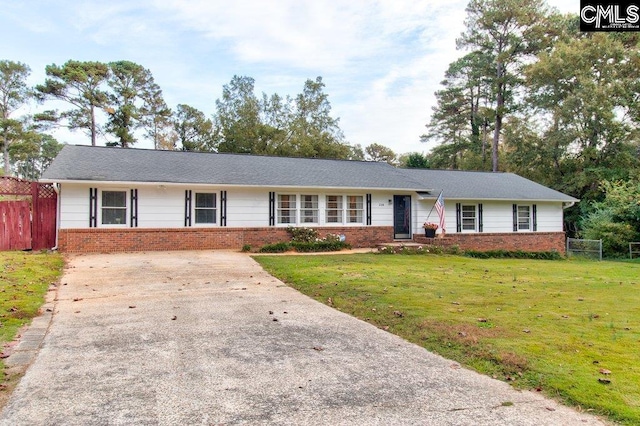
(162, 206)
(497, 216)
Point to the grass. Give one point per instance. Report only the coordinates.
(24, 280)
(558, 327)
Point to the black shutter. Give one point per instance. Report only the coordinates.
(272, 208)
(134, 208)
(480, 225)
(515, 218)
(187, 207)
(223, 208)
(458, 217)
(535, 217)
(368, 209)
(93, 207)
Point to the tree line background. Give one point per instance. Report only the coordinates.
(530, 94)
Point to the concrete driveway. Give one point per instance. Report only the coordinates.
(209, 338)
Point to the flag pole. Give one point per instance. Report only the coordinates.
(434, 204)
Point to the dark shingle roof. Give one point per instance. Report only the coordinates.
(458, 184)
(87, 163)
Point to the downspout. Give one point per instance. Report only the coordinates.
(57, 188)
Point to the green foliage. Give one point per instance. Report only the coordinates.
(516, 254)
(302, 235)
(547, 325)
(616, 219)
(377, 152)
(194, 131)
(320, 246)
(25, 279)
(414, 160)
(81, 85)
(246, 248)
(275, 248)
(33, 153)
(14, 93)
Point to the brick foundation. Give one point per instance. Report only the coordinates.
(103, 240)
(525, 241)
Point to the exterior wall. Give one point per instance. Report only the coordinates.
(106, 240)
(162, 206)
(497, 215)
(525, 241)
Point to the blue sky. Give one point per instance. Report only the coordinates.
(381, 61)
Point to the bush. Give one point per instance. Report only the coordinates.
(319, 246)
(517, 254)
(275, 248)
(302, 235)
(246, 248)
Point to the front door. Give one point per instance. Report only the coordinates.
(402, 217)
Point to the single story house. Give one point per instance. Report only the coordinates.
(114, 199)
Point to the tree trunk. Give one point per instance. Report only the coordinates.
(5, 154)
(499, 112)
(93, 126)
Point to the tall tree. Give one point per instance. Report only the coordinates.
(193, 129)
(378, 152)
(156, 116)
(133, 94)
(81, 84)
(313, 131)
(33, 154)
(238, 116)
(509, 32)
(584, 90)
(460, 122)
(14, 93)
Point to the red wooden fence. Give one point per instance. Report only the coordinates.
(27, 224)
(15, 225)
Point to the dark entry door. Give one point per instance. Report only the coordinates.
(402, 217)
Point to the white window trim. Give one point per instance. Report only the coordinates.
(321, 210)
(475, 225)
(195, 224)
(301, 208)
(127, 208)
(296, 210)
(341, 216)
(530, 217)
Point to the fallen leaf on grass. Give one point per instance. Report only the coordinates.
(604, 381)
(482, 320)
(605, 371)
(398, 314)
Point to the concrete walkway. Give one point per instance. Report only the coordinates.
(208, 338)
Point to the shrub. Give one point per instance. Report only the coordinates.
(319, 246)
(246, 248)
(517, 254)
(302, 235)
(275, 248)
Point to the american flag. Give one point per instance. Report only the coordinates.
(440, 210)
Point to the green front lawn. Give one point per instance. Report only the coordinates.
(24, 280)
(561, 327)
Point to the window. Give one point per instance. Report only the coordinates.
(205, 208)
(354, 208)
(309, 208)
(334, 209)
(469, 218)
(114, 207)
(287, 208)
(524, 218)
